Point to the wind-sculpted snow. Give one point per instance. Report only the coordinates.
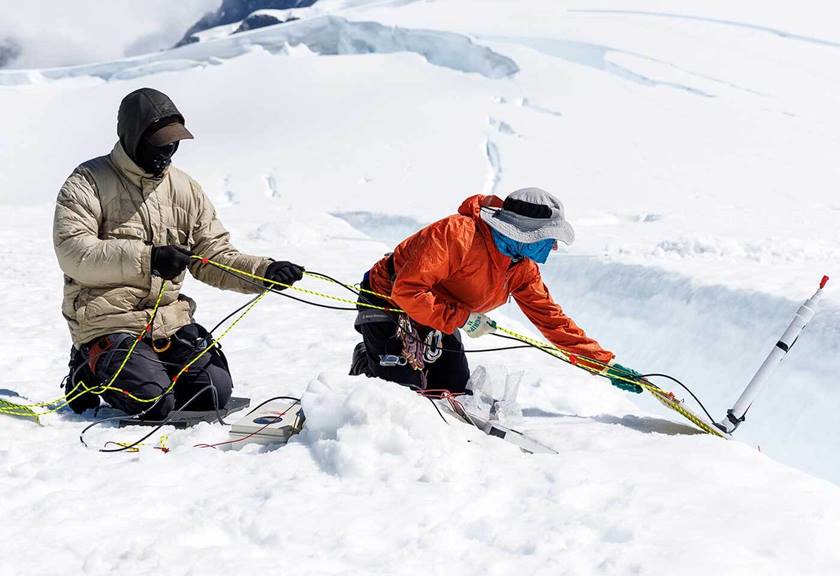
(598, 57)
(719, 21)
(389, 229)
(714, 338)
(327, 35)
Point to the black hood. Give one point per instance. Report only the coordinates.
(138, 111)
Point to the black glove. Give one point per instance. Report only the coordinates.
(170, 261)
(283, 272)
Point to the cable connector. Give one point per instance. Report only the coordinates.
(731, 422)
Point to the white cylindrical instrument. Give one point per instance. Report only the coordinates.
(806, 312)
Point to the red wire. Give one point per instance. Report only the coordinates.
(254, 433)
(438, 393)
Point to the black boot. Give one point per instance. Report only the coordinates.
(359, 364)
(79, 400)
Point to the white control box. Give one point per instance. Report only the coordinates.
(272, 423)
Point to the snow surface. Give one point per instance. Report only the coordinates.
(693, 146)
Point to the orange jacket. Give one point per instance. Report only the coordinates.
(452, 267)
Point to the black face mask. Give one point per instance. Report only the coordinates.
(155, 159)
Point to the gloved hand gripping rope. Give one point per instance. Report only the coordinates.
(476, 325)
(619, 376)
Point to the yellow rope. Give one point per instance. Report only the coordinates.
(585, 363)
(26, 410)
(588, 364)
(257, 277)
(195, 359)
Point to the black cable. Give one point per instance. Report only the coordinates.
(169, 417)
(432, 400)
(274, 290)
(88, 389)
(163, 423)
(150, 325)
(420, 391)
(546, 349)
(687, 389)
(261, 404)
(234, 313)
(211, 386)
(327, 306)
(352, 289)
(354, 309)
(120, 417)
(500, 349)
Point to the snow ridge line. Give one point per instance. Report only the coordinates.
(597, 56)
(324, 35)
(720, 21)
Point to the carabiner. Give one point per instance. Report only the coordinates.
(390, 360)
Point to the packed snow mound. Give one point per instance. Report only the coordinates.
(325, 35)
(390, 229)
(370, 430)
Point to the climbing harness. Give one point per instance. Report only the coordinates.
(81, 388)
(417, 351)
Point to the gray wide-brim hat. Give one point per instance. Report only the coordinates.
(530, 215)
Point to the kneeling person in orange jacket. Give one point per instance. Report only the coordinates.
(449, 274)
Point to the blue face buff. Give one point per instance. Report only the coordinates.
(536, 251)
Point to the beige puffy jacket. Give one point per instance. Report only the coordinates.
(108, 215)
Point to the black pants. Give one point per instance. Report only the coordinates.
(148, 374)
(450, 371)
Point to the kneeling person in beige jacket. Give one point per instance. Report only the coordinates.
(126, 224)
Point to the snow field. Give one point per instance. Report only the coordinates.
(379, 482)
(696, 161)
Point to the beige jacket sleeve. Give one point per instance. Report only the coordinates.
(211, 240)
(82, 255)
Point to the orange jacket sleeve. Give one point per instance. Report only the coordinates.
(532, 296)
(434, 253)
